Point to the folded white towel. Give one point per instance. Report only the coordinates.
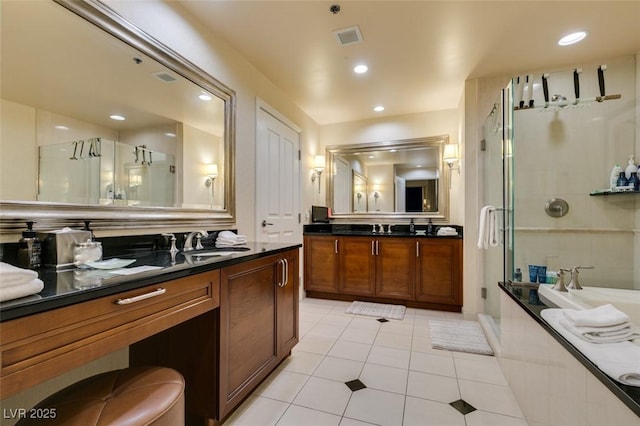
(600, 316)
(620, 361)
(11, 275)
(447, 230)
(489, 232)
(599, 336)
(230, 239)
(22, 290)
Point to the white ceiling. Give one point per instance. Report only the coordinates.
(419, 53)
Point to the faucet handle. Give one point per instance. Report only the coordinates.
(583, 267)
(172, 237)
(559, 285)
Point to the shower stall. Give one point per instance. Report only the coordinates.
(549, 144)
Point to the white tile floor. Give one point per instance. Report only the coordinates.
(408, 382)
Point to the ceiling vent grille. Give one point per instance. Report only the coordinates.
(165, 76)
(348, 36)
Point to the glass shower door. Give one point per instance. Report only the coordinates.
(496, 169)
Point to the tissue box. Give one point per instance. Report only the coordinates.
(57, 246)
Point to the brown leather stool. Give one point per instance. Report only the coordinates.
(127, 397)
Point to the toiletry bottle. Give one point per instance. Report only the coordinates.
(517, 275)
(412, 227)
(430, 227)
(634, 181)
(613, 179)
(622, 180)
(29, 249)
(631, 168)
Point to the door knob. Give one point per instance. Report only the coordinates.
(265, 223)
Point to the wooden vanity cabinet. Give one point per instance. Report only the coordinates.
(395, 268)
(258, 323)
(356, 274)
(322, 274)
(420, 272)
(226, 353)
(438, 278)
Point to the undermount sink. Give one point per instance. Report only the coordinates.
(201, 253)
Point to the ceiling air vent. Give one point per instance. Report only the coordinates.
(349, 35)
(165, 76)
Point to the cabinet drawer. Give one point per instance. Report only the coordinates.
(91, 329)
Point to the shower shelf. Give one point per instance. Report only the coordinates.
(599, 192)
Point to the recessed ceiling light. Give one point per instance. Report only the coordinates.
(393, 150)
(117, 117)
(379, 108)
(60, 127)
(572, 38)
(204, 96)
(418, 165)
(372, 156)
(360, 69)
(171, 135)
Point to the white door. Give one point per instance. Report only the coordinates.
(277, 178)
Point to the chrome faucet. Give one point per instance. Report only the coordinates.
(188, 243)
(574, 284)
(559, 285)
(173, 250)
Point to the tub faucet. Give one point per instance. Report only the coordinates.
(574, 284)
(559, 285)
(188, 243)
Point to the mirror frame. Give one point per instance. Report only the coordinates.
(441, 215)
(48, 215)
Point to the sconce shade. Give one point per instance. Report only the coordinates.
(318, 162)
(212, 170)
(450, 152)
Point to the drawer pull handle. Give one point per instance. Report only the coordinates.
(134, 299)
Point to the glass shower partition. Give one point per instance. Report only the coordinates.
(497, 172)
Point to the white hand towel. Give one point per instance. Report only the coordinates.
(488, 233)
(11, 275)
(603, 315)
(620, 335)
(22, 290)
(620, 361)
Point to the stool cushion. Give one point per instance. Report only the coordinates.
(127, 397)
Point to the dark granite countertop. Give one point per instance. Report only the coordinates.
(521, 294)
(367, 230)
(68, 287)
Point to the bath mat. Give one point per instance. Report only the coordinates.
(459, 336)
(377, 310)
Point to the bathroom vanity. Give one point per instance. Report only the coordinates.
(349, 262)
(225, 322)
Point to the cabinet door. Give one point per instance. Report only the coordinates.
(248, 328)
(357, 265)
(395, 267)
(439, 271)
(288, 293)
(321, 263)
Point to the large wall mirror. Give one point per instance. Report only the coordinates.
(390, 179)
(100, 121)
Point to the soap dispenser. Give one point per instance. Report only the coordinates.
(631, 168)
(29, 249)
(430, 227)
(412, 227)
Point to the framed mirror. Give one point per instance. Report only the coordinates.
(390, 179)
(102, 122)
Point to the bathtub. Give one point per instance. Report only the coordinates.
(628, 301)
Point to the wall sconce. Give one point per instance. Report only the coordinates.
(212, 174)
(318, 167)
(451, 156)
